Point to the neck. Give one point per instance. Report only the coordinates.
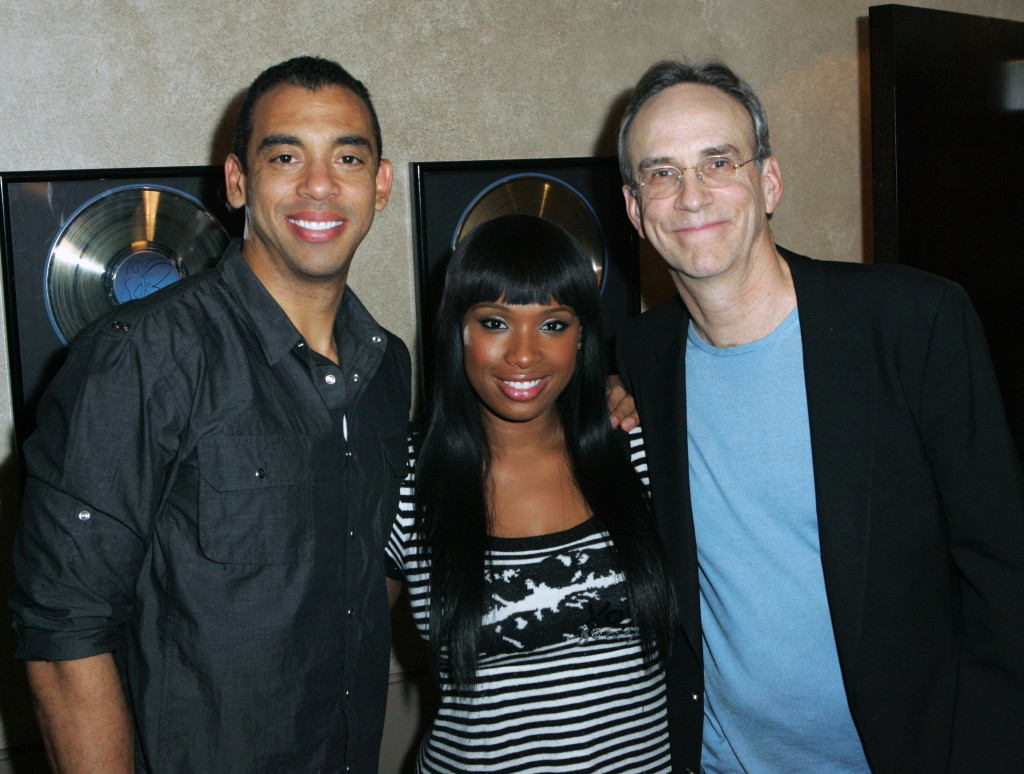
(530, 486)
(522, 439)
(729, 311)
(311, 305)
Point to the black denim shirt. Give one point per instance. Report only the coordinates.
(209, 500)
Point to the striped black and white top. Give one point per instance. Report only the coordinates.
(561, 684)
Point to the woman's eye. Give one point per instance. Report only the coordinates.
(492, 323)
(555, 325)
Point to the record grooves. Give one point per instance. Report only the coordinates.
(545, 197)
(124, 244)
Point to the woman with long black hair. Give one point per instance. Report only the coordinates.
(531, 557)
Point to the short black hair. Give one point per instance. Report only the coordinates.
(308, 72)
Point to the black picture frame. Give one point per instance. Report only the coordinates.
(442, 191)
(34, 207)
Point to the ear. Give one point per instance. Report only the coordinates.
(633, 211)
(234, 178)
(771, 184)
(385, 175)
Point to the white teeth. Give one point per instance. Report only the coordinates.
(316, 225)
(522, 385)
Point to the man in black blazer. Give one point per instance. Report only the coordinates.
(831, 470)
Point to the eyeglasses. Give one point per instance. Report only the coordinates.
(712, 172)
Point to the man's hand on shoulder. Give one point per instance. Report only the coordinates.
(621, 405)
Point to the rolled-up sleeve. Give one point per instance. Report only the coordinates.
(95, 468)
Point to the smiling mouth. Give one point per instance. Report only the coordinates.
(697, 227)
(316, 225)
(523, 390)
(522, 385)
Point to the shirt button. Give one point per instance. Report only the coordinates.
(352, 533)
(348, 692)
(260, 473)
(301, 344)
(84, 515)
(349, 611)
(330, 378)
(375, 339)
(695, 696)
(355, 377)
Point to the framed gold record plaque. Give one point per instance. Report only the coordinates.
(77, 244)
(583, 195)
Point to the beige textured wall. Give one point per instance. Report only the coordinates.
(127, 83)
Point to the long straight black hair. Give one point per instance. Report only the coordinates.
(524, 260)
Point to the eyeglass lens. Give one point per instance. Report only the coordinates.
(712, 172)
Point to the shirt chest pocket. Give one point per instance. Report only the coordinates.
(255, 499)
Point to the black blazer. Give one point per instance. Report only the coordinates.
(920, 513)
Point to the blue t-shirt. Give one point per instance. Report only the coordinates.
(774, 697)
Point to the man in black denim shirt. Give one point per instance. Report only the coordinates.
(200, 582)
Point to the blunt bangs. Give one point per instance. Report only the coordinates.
(524, 260)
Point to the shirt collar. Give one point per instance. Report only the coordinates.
(274, 330)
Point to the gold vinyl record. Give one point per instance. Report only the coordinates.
(125, 244)
(545, 197)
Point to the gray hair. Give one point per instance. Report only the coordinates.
(667, 73)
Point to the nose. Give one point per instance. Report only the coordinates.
(319, 181)
(692, 194)
(523, 351)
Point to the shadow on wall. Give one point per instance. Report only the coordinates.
(867, 206)
(655, 284)
(223, 137)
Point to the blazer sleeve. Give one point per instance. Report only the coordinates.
(979, 477)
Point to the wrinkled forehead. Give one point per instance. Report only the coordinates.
(690, 119)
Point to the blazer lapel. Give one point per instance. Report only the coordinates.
(663, 393)
(841, 409)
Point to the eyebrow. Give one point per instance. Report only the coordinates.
(273, 140)
(722, 150)
(354, 139)
(714, 150)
